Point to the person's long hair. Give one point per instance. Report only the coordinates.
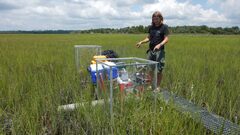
(158, 14)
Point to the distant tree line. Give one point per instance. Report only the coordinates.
(139, 30)
(37, 32)
(205, 30)
(175, 30)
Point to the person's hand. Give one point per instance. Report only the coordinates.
(157, 47)
(138, 44)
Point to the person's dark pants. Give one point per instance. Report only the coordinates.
(158, 56)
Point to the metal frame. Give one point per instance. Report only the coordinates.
(141, 62)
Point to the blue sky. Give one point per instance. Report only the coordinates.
(88, 14)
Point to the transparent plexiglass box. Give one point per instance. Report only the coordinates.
(120, 77)
(84, 54)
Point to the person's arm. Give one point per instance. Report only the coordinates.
(143, 41)
(165, 40)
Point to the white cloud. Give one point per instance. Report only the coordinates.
(230, 8)
(186, 13)
(83, 14)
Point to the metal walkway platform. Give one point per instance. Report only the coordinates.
(213, 122)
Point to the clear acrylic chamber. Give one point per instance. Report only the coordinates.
(119, 79)
(84, 55)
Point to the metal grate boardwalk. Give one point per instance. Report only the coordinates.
(215, 123)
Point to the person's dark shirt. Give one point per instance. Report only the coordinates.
(157, 34)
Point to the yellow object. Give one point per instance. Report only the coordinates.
(98, 57)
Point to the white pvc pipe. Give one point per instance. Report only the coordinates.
(70, 107)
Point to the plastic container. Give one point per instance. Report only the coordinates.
(93, 71)
(124, 75)
(114, 69)
(125, 85)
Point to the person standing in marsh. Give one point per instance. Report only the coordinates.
(157, 37)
